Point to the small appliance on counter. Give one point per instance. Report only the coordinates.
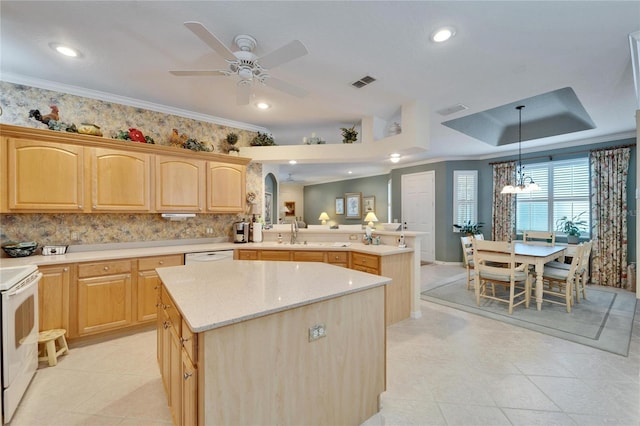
(241, 232)
(256, 232)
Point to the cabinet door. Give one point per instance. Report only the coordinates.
(104, 303)
(165, 352)
(226, 187)
(175, 378)
(120, 180)
(53, 297)
(45, 176)
(274, 255)
(338, 258)
(180, 184)
(308, 256)
(189, 392)
(148, 284)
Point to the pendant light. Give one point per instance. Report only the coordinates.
(524, 184)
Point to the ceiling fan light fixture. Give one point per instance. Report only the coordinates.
(443, 34)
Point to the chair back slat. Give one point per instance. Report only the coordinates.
(539, 237)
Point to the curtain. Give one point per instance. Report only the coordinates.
(609, 170)
(503, 224)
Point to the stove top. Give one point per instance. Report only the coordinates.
(12, 275)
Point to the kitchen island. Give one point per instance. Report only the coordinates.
(269, 342)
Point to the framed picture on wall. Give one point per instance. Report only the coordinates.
(369, 204)
(339, 205)
(268, 200)
(353, 201)
(291, 208)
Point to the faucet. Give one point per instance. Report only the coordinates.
(294, 231)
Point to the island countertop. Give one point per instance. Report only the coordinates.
(214, 294)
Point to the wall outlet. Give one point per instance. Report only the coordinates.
(316, 332)
(353, 237)
(75, 236)
(209, 230)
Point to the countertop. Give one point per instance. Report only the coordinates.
(214, 294)
(132, 250)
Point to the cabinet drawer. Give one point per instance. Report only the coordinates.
(150, 263)
(366, 260)
(274, 255)
(338, 257)
(247, 254)
(172, 312)
(365, 269)
(189, 342)
(97, 269)
(308, 256)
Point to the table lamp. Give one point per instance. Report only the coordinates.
(324, 217)
(370, 217)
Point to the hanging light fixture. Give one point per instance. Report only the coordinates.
(524, 184)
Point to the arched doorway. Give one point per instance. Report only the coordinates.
(270, 199)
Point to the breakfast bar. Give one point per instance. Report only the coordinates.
(270, 342)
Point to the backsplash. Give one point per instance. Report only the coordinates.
(51, 229)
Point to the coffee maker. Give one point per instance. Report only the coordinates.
(241, 232)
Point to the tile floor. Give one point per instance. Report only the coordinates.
(447, 368)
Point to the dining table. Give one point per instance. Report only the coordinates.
(538, 255)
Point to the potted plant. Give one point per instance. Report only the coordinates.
(349, 135)
(571, 227)
(262, 139)
(470, 228)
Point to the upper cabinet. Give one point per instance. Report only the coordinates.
(226, 185)
(180, 184)
(120, 181)
(44, 176)
(47, 171)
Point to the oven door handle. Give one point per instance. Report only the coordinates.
(26, 287)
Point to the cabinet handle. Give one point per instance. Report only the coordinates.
(106, 268)
(166, 324)
(65, 269)
(161, 262)
(183, 340)
(94, 207)
(187, 375)
(156, 287)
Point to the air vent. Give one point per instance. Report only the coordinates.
(367, 79)
(452, 109)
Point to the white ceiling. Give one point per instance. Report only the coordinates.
(502, 52)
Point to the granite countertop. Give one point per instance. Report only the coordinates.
(214, 294)
(132, 250)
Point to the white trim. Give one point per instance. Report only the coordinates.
(123, 100)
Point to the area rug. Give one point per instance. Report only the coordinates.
(603, 321)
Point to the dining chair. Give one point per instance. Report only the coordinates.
(582, 273)
(467, 251)
(539, 237)
(558, 283)
(513, 277)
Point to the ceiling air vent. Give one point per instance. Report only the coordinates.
(452, 109)
(367, 79)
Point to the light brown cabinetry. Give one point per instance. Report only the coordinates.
(148, 284)
(226, 187)
(338, 258)
(180, 184)
(365, 263)
(178, 362)
(44, 176)
(120, 180)
(43, 170)
(53, 297)
(246, 254)
(104, 296)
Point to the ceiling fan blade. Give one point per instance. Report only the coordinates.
(199, 73)
(286, 53)
(243, 94)
(288, 88)
(212, 41)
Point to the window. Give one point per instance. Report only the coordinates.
(465, 196)
(564, 191)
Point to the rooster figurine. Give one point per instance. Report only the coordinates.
(176, 139)
(44, 119)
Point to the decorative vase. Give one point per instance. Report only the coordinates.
(573, 239)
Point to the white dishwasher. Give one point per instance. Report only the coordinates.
(208, 256)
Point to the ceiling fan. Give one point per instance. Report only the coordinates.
(246, 65)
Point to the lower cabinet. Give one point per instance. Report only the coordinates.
(177, 349)
(53, 297)
(148, 284)
(104, 296)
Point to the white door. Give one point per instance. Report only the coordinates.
(418, 209)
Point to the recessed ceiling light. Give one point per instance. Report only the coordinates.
(293, 162)
(350, 172)
(65, 50)
(263, 105)
(395, 157)
(443, 34)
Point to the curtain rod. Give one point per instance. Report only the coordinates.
(567, 153)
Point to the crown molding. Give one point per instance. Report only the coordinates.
(123, 100)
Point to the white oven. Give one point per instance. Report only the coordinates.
(19, 292)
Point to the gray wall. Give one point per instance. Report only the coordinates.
(448, 248)
(322, 198)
